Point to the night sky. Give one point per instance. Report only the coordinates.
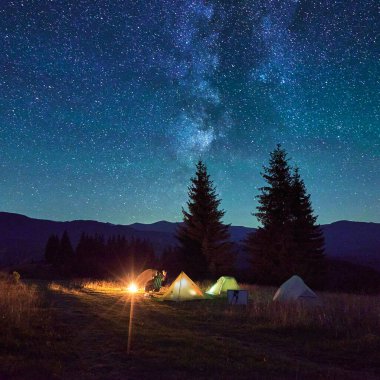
(105, 106)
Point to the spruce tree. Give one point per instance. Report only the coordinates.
(52, 249)
(289, 241)
(81, 257)
(269, 246)
(66, 252)
(308, 255)
(203, 238)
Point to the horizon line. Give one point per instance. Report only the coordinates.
(158, 221)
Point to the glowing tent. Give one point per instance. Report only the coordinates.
(182, 289)
(295, 289)
(223, 284)
(144, 277)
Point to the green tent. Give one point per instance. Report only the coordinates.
(222, 285)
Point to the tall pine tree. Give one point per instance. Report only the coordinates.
(203, 239)
(66, 251)
(288, 241)
(308, 255)
(52, 249)
(269, 246)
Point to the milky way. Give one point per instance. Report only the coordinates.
(105, 106)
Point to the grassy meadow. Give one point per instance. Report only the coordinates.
(79, 330)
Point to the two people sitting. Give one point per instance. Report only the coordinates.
(156, 282)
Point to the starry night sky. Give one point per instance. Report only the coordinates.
(105, 106)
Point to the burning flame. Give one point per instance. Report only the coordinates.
(132, 288)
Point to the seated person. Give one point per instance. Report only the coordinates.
(165, 277)
(158, 280)
(149, 286)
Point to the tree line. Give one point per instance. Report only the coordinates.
(288, 241)
(95, 256)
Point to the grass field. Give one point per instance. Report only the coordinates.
(79, 330)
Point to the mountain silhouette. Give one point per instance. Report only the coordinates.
(23, 239)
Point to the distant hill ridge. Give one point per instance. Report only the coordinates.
(23, 238)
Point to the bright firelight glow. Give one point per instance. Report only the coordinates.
(132, 288)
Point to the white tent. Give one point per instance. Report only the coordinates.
(144, 277)
(295, 289)
(182, 289)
